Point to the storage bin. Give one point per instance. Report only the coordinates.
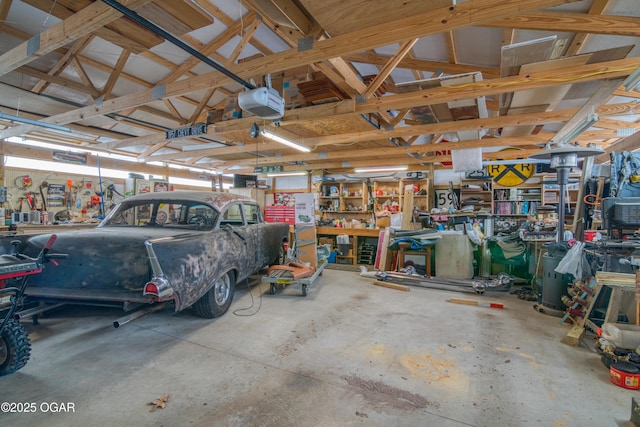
(622, 335)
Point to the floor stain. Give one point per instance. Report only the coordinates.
(382, 395)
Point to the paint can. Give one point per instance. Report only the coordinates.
(625, 375)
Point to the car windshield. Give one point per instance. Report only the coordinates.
(162, 213)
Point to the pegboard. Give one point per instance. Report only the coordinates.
(58, 196)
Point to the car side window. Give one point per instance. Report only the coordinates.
(232, 215)
(251, 213)
(201, 216)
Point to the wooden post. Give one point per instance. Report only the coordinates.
(2, 164)
(637, 297)
(407, 210)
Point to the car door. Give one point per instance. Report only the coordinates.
(253, 220)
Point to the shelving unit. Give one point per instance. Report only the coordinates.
(385, 193)
(516, 201)
(477, 193)
(344, 198)
(393, 191)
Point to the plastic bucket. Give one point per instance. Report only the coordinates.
(625, 375)
(589, 235)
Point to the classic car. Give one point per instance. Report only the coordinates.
(187, 247)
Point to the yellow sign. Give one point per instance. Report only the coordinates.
(511, 175)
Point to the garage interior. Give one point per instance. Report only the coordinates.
(461, 179)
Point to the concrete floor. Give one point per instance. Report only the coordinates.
(348, 354)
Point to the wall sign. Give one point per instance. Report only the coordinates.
(267, 169)
(183, 132)
(444, 198)
(70, 157)
(511, 175)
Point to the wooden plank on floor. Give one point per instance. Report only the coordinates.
(392, 285)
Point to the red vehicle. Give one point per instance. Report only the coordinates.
(15, 347)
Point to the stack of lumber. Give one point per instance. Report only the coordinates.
(320, 91)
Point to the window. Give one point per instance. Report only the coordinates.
(162, 213)
(251, 213)
(232, 216)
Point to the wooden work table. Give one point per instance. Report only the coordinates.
(354, 235)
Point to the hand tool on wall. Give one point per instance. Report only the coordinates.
(30, 201)
(44, 185)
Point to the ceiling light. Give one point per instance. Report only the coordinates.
(34, 122)
(201, 146)
(277, 174)
(571, 135)
(633, 81)
(285, 141)
(382, 169)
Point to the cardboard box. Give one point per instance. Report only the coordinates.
(307, 249)
(326, 241)
(299, 71)
(214, 116)
(230, 115)
(383, 222)
(293, 100)
(231, 108)
(290, 83)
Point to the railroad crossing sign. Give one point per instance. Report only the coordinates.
(511, 175)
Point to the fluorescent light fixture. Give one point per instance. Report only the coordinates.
(381, 169)
(32, 142)
(277, 174)
(201, 146)
(633, 81)
(285, 141)
(34, 122)
(573, 134)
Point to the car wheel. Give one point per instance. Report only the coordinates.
(15, 348)
(218, 299)
(282, 256)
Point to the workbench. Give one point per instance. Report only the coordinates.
(354, 236)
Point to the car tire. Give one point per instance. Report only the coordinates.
(15, 348)
(281, 259)
(217, 300)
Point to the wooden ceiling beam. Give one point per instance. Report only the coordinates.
(209, 49)
(629, 143)
(247, 33)
(450, 43)
(83, 75)
(571, 22)
(589, 72)
(385, 72)
(293, 13)
(5, 5)
(419, 25)
(63, 62)
(421, 64)
(115, 74)
(579, 39)
(60, 81)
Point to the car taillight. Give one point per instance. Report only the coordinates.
(151, 289)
